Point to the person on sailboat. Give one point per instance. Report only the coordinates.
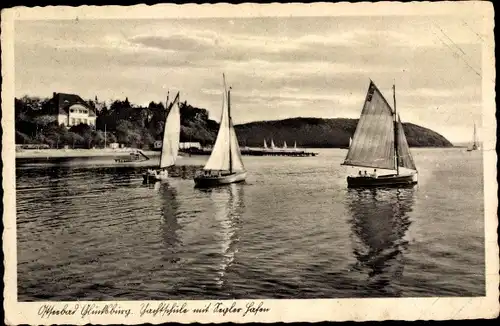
(374, 173)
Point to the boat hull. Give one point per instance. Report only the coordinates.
(213, 181)
(408, 180)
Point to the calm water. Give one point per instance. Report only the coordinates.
(293, 230)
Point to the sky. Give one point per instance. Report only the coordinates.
(278, 67)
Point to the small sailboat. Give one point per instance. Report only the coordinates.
(265, 144)
(475, 145)
(379, 142)
(350, 141)
(284, 145)
(272, 144)
(170, 144)
(295, 145)
(225, 165)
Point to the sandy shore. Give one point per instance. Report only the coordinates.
(62, 153)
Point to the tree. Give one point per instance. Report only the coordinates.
(22, 138)
(98, 138)
(73, 139)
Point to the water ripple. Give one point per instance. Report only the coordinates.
(292, 230)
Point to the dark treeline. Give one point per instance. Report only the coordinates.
(317, 132)
(138, 126)
(123, 122)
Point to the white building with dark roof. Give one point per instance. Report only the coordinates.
(70, 110)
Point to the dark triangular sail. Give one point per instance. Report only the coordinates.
(373, 141)
(404, 154)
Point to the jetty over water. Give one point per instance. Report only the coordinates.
(277, 152)
(256, 152)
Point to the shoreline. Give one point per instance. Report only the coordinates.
(118, 153)
(77, 153)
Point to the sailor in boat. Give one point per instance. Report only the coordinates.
(374, 175)
(157, 172)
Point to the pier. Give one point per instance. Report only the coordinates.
(257, 152)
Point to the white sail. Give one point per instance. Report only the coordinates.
(295, 145)
(350, 141)
(272, 143)
(475, 142)
(226, 152)
(171, 135)
(265, 144)
(404, 154)
(236, 160)
(284, 145)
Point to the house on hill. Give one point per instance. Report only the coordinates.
(70, 110)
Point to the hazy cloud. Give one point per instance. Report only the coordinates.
(278, 67)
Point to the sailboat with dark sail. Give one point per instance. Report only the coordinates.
(379, 142)
(225, 165)
(170, 144)
(475, 145)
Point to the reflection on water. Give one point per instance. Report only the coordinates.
(379, 223)
(293, 231)
(229, 219)
(170, 224)
(228, 201)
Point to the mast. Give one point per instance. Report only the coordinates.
(396, 154)
(164, 127)
(475, 145)
(229, 129)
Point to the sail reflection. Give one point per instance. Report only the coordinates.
(230, 207)
(170, 224)
(379, 224)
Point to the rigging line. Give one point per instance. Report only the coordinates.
(459, 48)
(478, 35)
(457, 54)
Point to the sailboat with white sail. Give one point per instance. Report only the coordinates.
(265, 144)
(225, 165)
(379, 142)
(475, 145)
(170, 144)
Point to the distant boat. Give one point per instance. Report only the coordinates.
(379, 142)
(284, 145)
(170, 144)
(265, 144)
(347, 147)
(135, 156)
(475, 145)
(295, 145)
(225, 165)
(272, 144)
